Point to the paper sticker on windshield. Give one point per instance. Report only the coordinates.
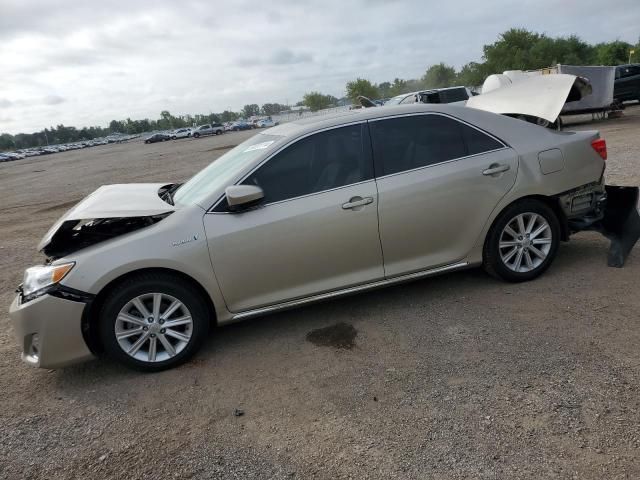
(259, 146)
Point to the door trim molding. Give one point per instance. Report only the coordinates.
(347, 291)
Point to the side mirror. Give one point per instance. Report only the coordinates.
(242, 197)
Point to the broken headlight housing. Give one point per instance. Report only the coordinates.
(38, 280)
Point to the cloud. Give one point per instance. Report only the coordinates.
(52, 100)
(284, 56)
(86, 63)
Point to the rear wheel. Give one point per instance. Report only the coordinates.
(523, 241)
(152, 322)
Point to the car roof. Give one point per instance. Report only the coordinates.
(310, 124)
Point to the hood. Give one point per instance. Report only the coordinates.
(541, 96)
(133, 200)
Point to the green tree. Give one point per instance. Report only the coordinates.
(361, 86)
(228, 116)
(612, 53)
(250, 110)
(439, 76)
(272, 108)
(317, 101)
(471, 75)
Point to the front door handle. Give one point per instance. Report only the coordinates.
(495, 168)
(356, 202)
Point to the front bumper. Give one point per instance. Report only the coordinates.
(49, 330)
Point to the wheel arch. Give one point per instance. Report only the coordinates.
(551, 201)
(89, 322)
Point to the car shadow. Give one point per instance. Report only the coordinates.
(294, 325)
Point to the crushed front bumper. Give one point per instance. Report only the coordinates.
(612, 211)
(49, 330)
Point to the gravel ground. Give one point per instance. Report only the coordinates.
(459, 376)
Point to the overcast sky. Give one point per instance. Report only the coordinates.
(87, 62)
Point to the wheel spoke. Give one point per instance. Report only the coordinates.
(128, 333)
(167, 345)
(521, 228)
(518, 261)
(541, 241)
(157, 300)
(180, 336)
(141, 308)
(178, 321)
(136, 346)
(172, 308)
(527, 259)
(538, 253)
(510, 255)
(539, 230)
(153, 342)
(510, 231)
(506, 244)
(125, 317)
(532, 222)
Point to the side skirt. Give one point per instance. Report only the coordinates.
(346, 291)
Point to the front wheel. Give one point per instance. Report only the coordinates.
(153, 321)
(196, 135)
(523, 241)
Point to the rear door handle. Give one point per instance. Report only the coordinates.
(356, 202)
(495, 168)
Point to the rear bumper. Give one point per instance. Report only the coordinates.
(612, 211)
(49, 331)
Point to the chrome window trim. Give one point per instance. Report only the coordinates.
(440, 163)
(504, 145)
(286, 145)
(375, 177)
(414, 114)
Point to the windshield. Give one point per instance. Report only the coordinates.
(396, 100)
(223, 171)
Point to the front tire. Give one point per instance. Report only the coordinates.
(522, 242)
(153, 321)
(196, 135)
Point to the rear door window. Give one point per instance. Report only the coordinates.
(406, 143)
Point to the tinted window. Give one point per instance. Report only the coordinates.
(320, 162)
(406, 143)
(454, 95)
(477, 141)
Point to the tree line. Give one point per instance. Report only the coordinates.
(515, 49)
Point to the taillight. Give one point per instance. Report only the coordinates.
(600, 146)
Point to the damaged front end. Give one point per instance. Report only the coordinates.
(74, 235)
(108, 212)
(608, 209)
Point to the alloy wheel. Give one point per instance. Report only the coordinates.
(525, 242)
(153, 327)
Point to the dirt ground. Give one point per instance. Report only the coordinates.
(458, 376)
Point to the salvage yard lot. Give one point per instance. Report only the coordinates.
(457, 376)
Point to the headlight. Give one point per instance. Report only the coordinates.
(43, 276)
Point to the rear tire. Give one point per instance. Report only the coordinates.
(139, 329)
(522, 242)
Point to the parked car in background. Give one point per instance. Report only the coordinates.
(241, 125)
(213, 129)
(266, 123)
(157, 137)
(436, 95)
(181, 133)
(383, 196)
(627, 83)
